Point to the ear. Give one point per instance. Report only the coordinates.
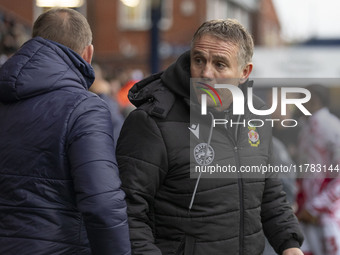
(87, 53)
(246, 72)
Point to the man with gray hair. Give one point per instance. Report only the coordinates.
(170, 212)
(59, 181)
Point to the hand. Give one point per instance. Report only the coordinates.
(292, 251)
(306, 217)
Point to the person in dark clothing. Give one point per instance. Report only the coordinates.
(171, 213)
(59, 181)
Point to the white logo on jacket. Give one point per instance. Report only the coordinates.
(200, 154)
(195, 129)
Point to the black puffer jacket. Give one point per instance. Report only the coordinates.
(228, 215)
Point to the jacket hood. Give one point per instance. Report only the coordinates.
(158, 91)
(41, 66)
(177, 77)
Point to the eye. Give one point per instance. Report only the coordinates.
(221, 65)
(198, 60)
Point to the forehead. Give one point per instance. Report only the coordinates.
(209, 44)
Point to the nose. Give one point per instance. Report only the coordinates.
(207, 71)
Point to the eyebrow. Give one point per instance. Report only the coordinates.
(198, 52)
(216, 56)
(220, 57)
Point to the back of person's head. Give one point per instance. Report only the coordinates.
(65, 26)
(229, 30)
(321, 92)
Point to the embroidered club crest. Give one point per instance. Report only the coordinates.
(253, 137)
(199, 153)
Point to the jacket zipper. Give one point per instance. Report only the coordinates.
(239, 179)
(240, 187)
(204, 160)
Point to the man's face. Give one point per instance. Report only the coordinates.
(213, 59)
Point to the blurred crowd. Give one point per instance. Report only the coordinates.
(313, 148)
(116, 87)
(12, 35)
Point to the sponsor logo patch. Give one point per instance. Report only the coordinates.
(200, 154)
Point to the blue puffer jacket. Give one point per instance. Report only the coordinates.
(59, 182)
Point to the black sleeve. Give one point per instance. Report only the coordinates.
(279, 222)
(143, 164)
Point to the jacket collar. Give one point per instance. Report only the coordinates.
(41, 66)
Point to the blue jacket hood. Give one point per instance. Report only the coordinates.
(41, 66)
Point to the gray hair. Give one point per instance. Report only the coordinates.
(232, 31)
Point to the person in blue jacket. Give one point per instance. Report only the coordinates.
(59, 181)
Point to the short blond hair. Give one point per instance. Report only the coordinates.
(65, 26)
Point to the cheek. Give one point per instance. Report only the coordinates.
(194, 71)
(227, 74)
(225, 95)
(197, 94)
